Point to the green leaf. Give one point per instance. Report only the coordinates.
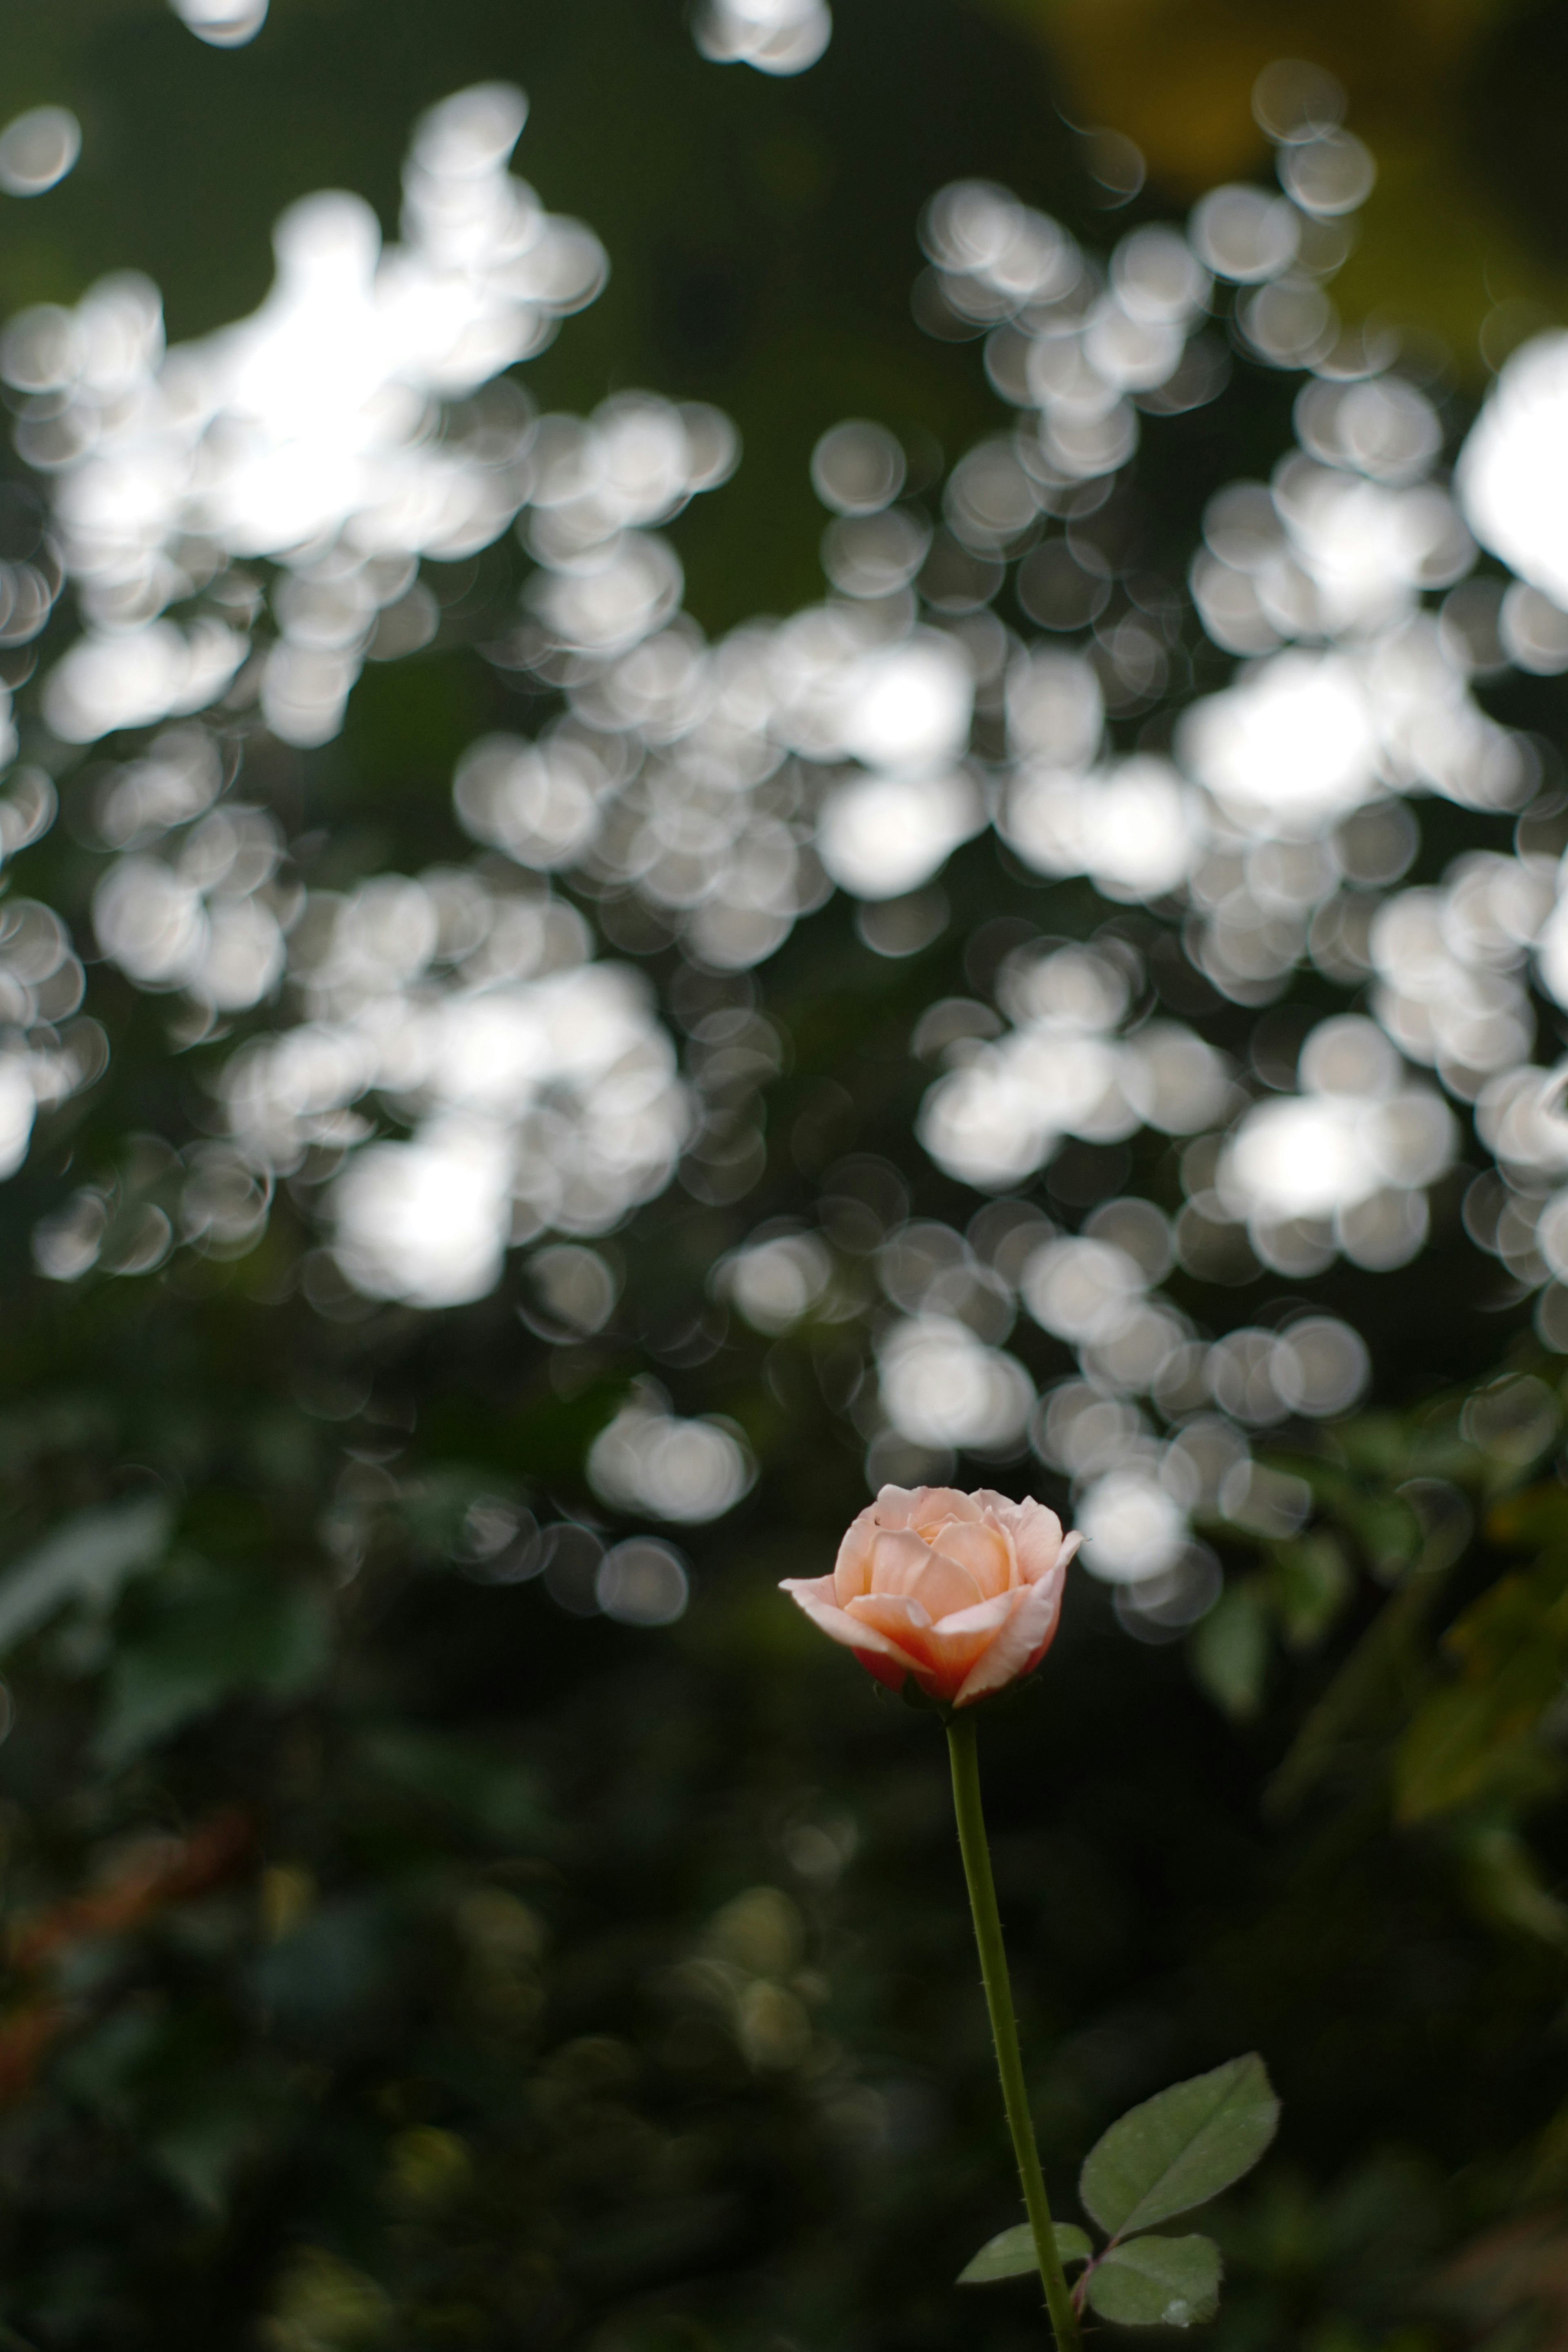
(1476, 1736)
(1311, 1582)
(1230, 1649)
(1505, 1883)
(88, 1558)
(1157, 2283)
(1012, 2254)
(1181, 2147)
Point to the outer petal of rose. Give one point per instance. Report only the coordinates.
(896, 1619)
(852, 1568)
(1021, 1643)
(938, 1661)
(1037, 1534)
(947, 1653)
(984, 1548)
(876, 1652)
(811, 1588)
(904, 1624)
(899, 1615)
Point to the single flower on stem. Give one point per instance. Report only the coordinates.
(964, 1593)
(960, 1595)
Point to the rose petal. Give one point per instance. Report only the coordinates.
(942, 1588)
(897, 1560)
(950, 1651)
(892, 1508)
(936, 1506)
(1022, 1642)
(880, 1656)
(895, 1614)
(983, 1547)
(814, 1587)
(852, 1568)
(1037, 1534)
(939, 1656)
(920, 1507)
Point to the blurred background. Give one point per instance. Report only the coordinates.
(749, 751)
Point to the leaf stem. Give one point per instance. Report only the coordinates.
(964, 1755)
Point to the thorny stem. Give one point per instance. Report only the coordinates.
(961, 1742)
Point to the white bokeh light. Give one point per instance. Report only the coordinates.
(1512, 474)
(649, 1460)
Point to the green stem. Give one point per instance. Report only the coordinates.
(976, 1855)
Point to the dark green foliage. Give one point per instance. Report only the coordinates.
(1011, 2254)
(397, 1957)
(1172, 2152)
(1158, 2282)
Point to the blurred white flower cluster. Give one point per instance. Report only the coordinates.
(49, 1049)
(452, 1072)
(1062, 1070)
(541, 1089)
(1152, 1427)
(359, 421)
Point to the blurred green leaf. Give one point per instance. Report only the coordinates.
(1511, 1647)
(1311, 1582)
(1181, 2147)
(1367, 1701)
(1537, 1515)
(240, 1631)
(201, 2146)
(1011, 2254)
(88, 1559)
(326, 2305)
(1157, 2283)
(1505, 1884)
(1230, 1650)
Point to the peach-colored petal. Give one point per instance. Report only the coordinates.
(898, 1558)
(921, 1506)
(945, 1655)
(1037, 1534)
(1021, 1643)
(895, 1614)
(942, 1588)
(811, 1588)
(939, 1656)
(983, 1547)
(899, 1620)
(876, 1652)
(937, 1507)
(852, 1568)
(893, 1508)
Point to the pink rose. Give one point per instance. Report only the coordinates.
(963, 1591)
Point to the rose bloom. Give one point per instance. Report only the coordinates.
(963, 1591)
